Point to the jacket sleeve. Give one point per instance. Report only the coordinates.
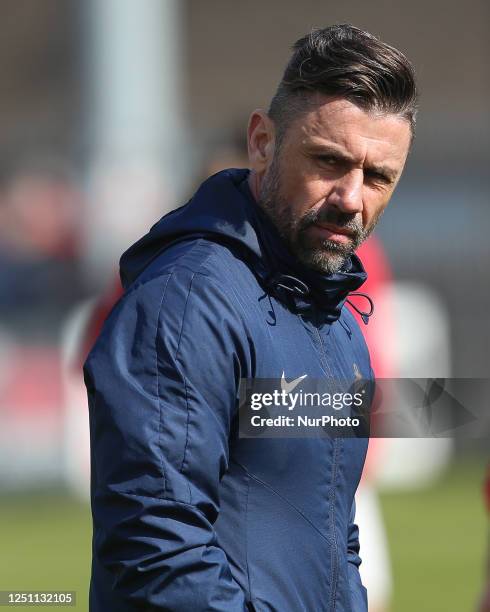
(357, 589)
(162, 383)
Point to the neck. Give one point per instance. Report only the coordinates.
(253, 183)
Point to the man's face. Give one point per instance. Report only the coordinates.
(332, 176)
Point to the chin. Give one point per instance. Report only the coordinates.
(326, 262)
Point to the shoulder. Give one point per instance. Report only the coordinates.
(184, 290)
(189, 258)
(190, 276)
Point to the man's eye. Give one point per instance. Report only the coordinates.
(328, 160)
(376, 177)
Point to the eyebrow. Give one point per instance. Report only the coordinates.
(384, 171)
(329, 150)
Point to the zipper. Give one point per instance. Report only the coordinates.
(337, 447)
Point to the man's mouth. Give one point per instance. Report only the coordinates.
(333, 232)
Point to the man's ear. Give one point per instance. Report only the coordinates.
(261, 141)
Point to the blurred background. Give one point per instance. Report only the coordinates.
(111, 113)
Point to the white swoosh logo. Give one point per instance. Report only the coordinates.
(289, 386)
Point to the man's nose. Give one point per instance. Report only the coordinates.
(346, 194)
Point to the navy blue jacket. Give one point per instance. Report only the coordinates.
(187, 515)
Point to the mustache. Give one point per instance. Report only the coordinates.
(332, 216)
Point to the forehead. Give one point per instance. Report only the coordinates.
(340, 124)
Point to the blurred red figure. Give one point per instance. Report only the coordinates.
(380, 338)
(40, 212)
(380, 333)
(40, 279)
(41, 209)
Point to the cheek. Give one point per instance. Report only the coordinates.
(373, 207)
(305, 193)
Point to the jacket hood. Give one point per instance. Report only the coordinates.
(223, 210)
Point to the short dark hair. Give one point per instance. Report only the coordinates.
(346, 62)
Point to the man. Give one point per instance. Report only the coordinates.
(248, 281)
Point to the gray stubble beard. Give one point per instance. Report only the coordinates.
(331, 255)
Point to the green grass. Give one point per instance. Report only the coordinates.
(437, 538)
(45, 545)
